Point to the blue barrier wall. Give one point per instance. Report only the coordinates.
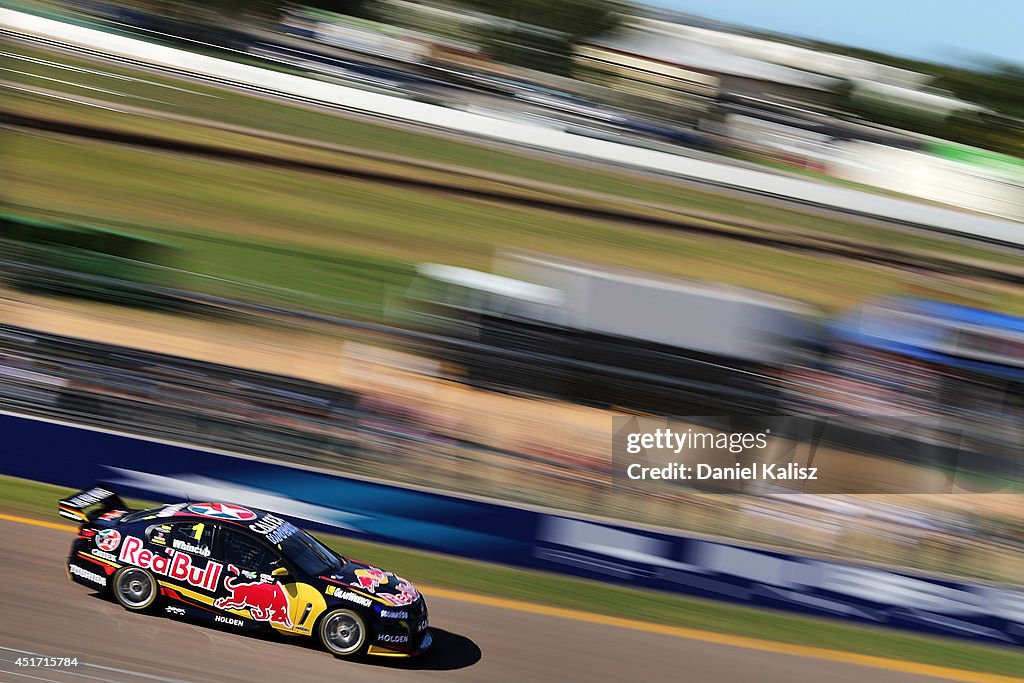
(74, 456)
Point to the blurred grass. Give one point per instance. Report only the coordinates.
(233, 108)
(37, 500)
(352, 239)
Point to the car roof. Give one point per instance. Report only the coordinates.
(207, 511)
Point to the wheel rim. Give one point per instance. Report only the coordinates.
(135, 588)
(343, 633)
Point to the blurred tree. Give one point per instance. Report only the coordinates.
(539, 34)
(356, 8)
(205, 10)
(997, 87)
(576, 19)
(247, 10)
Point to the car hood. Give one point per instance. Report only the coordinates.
(366, 578)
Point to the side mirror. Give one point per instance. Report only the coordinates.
(279, 572)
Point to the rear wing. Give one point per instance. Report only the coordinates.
(86, 506)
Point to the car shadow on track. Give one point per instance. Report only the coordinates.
(450, 651)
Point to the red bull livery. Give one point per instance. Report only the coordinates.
(265, 601)
(243, 568)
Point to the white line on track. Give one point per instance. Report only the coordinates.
(64, 671)
(55, 672)
(33, 678)
(100, 667)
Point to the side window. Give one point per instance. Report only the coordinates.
(247, 553)
(159, 534)
(195, 538)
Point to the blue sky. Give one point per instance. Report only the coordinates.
(937, 30)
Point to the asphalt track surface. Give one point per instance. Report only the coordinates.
(43, 613)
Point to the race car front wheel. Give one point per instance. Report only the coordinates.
(343, 633)
(135, 589)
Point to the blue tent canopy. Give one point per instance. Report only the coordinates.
(957, 336)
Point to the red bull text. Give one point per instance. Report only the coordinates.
(173, 565)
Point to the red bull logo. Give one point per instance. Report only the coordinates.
(370, 578)
(265, 601)
(406, 594)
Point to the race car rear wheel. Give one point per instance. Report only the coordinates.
(135, 589)
(343, 633)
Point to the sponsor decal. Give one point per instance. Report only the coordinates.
(190, 548)
(235, 513)
(106, 556)
(87, 575)
(392, 614)
(422, 626)
(265, 601)
(90, 497)
(274, 528)
(113, 514)
(172, 609)
(369, 578)
(406, 595)
(108, 539)
(230, 621)
(392, 638)
(174, 566)
(159, 534)
(352, 597)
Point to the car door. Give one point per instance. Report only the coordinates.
(252, 591)
(188, 569)
(285, 602)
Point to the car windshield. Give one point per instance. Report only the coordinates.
(309, 554)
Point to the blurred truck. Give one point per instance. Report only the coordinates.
(611, 336)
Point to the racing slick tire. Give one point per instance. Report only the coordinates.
(135, 589)
(343, 633)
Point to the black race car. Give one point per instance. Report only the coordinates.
(242, 567)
